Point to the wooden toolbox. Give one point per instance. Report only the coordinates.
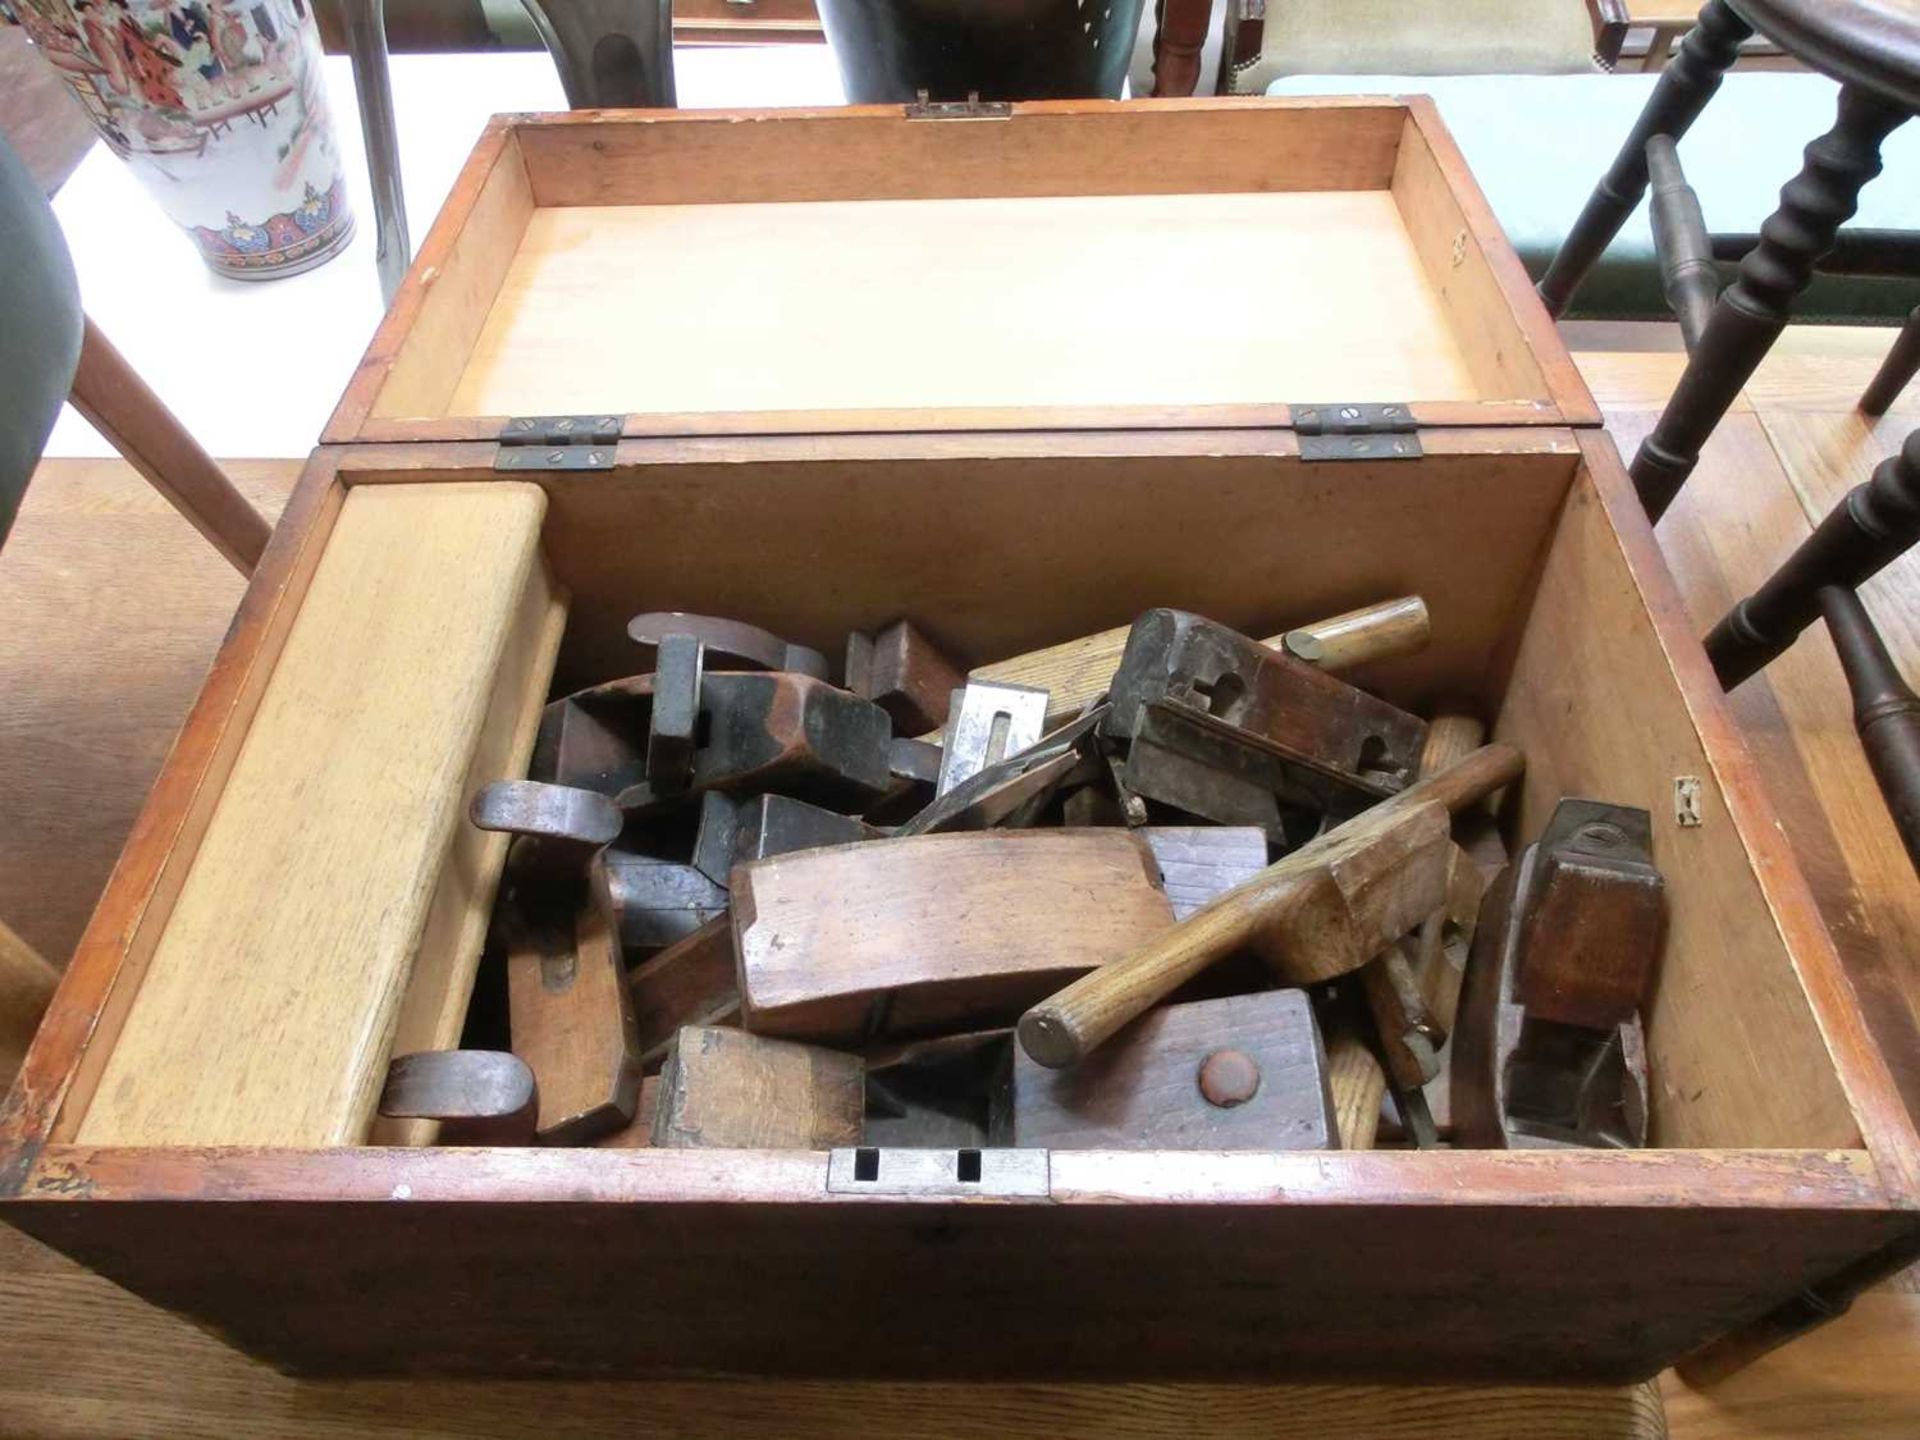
(1021, 375)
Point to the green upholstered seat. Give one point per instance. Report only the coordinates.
(1539, 143)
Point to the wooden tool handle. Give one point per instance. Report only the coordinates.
(1450, 739)
(1358, 1083)
(1373, 632)
(1062, 1030)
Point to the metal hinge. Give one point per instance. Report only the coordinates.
(1356, 432)
(558, 442)
(971, 108)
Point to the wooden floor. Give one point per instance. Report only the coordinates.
(114, 608)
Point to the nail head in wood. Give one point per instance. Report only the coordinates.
(1229, 1078)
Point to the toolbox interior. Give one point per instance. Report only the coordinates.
(668, 268)
(1538, 625)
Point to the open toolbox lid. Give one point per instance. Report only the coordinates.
(1324, 264)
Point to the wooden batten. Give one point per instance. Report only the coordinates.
(274, 989)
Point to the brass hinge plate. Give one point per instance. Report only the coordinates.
(1356, 432)
(558, 442)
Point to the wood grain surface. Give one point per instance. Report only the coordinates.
(368, 729)
(728, 1090)
(116, 609)
(952, 930)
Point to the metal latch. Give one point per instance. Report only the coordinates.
(1001, 1173)
(971, 108)
(1356, 432)
(558, 442)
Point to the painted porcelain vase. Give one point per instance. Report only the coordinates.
(218, 105)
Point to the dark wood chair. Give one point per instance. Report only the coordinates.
(610, 53)
(1873, 526)
(1872, 47)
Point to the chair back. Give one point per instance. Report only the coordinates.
(40, 328)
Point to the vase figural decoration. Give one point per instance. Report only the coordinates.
(218, 106)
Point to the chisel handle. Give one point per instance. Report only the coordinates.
(1063, 1029)
(1373, 632)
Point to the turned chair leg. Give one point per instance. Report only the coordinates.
(1179, 36)
(1752, 311)
(1684, 89)
(1896, 371)
(1886, 712)
(610, 53)
(1877, 523)
(110, 394)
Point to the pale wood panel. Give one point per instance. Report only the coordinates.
(1067, 147)
(417, 354)
(1729, 529)
(266, 1011)
(656, 309)
(1463, 278)
(434, 1009)
(1734, 1051)
(1080, 538)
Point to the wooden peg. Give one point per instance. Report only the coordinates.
(1320, 912)
(902, 672)
(1355, 1081)
(728, 1090)
(1358, 637)
(935, 932)
(480, 1097)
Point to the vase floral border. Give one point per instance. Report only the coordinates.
(308, 233)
